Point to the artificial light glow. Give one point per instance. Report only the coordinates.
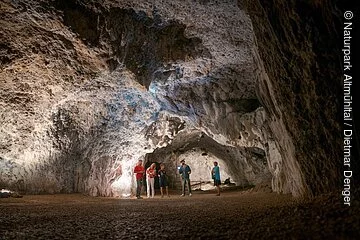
(123, 185)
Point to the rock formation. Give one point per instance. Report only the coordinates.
(89, 87)
(303, 92)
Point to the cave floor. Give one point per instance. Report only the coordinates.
(233, 215)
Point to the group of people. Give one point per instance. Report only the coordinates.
(151, 173)
(184, 171)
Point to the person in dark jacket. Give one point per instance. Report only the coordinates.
(163, 181)
(185, 171)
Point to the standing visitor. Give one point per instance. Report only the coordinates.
(215, 172)
(150, 178)
(163, 180)
(139, 170)
(185, 172)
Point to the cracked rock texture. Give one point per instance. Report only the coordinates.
(298, 43)
(89, 87)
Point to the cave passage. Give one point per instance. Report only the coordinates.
(244, 167)
(87, 88)
(116, 83)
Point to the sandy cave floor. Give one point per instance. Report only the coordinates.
(233, 215)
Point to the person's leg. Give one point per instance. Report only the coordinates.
(183, 182)
(140, 186)
(164, 184)
(148, 187)
(218, 187)
(161, 183)
(152, 187)
(137, 188)
(189, 186)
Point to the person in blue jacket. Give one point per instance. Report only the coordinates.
(215, 172)
(185, 171)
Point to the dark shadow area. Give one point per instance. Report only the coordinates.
(298, 44)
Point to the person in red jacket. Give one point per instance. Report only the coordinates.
(139, 170)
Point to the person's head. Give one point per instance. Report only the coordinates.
(182, 162)
(162, 166)
(153, 165)
(139, 162)
(215, 163)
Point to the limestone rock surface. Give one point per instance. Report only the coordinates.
(89, 87)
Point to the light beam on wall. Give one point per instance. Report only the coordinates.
(124, 184)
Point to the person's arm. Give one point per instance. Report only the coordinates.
(180, 170)
(189, 170)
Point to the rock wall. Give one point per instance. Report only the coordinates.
(297, 42)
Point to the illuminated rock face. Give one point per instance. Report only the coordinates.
(88, 89)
